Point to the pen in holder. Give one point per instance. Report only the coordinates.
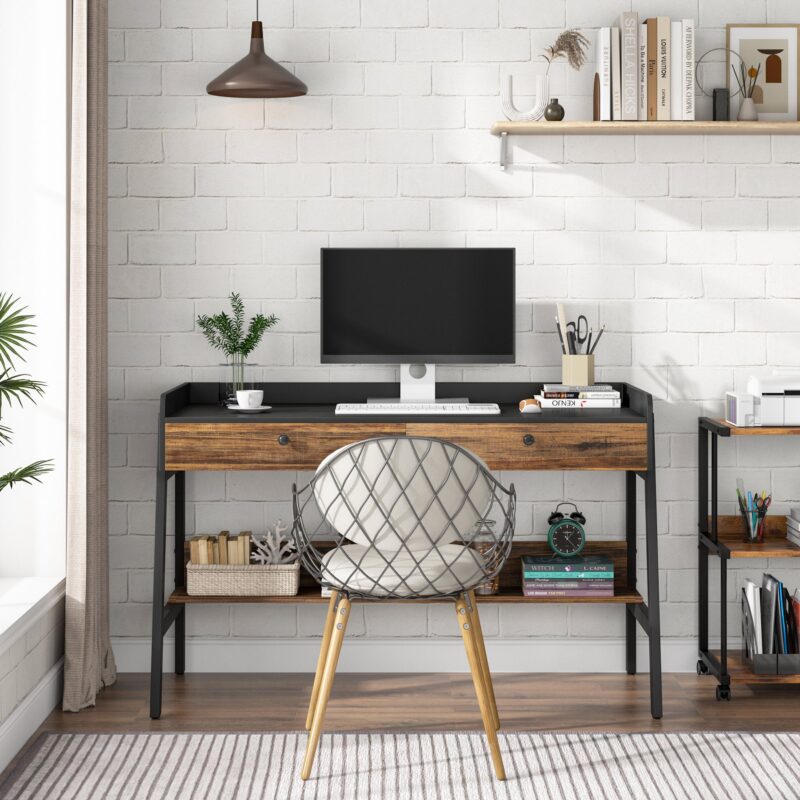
(754, 508)
(577, 370)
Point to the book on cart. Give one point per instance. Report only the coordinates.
(576, 576)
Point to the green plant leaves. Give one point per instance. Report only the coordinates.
(30, 474)
(15, 330)
(227, 333)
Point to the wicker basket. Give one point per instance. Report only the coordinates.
(253, 580)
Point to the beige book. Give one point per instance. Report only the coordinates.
(202, 549)
(194, 550)
(223, 547)
(233, 551)
(215, 552)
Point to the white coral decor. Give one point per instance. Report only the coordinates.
(273, 547)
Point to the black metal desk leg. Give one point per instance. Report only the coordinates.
(157, 636)
(653, 603)
(724, 688)
(630, 528)
(180, 538)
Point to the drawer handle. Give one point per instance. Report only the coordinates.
(283, 439)
(527, 440)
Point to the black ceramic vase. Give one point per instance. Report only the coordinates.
(554, 111)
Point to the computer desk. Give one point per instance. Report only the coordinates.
(196, 434)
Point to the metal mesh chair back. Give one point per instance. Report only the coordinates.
(403, 514)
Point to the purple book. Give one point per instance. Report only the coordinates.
(568, 592)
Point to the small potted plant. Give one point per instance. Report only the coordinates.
(15, 337)
(237, 341)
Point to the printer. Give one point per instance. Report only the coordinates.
(776, 400)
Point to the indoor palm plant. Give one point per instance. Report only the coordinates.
(16, 329)
(237, 340)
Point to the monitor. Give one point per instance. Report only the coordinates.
(417, 306)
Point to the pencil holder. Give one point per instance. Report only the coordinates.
(577, 370)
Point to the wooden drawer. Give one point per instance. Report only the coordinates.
(213, 446)
(555, 446)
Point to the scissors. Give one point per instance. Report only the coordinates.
(763, 502)
(580, 332)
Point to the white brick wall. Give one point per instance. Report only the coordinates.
(685, 247)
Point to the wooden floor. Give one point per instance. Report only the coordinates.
(551, 702)
(431, 702)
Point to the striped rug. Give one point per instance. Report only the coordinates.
(413, 766)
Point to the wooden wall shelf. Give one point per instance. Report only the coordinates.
(671, 128)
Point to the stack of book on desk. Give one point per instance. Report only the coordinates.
(793, 526)
(559, 395)
(577, 576)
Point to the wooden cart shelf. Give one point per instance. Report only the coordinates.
(740, 672)
(730, 539)
(313, 595)
(665, 127)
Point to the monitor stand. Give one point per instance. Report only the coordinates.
(417, 385)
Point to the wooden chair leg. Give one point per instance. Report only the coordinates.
(326, 682)
(484, 661)
(323, 656)
(470, 645)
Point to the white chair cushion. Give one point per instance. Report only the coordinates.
(450, 568)
(398, 494)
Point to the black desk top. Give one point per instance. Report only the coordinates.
(316, 403)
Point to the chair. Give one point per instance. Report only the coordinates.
(403, 518)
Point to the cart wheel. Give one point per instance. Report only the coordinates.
(702, 667)
(723, 692)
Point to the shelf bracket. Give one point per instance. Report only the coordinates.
(503, 150)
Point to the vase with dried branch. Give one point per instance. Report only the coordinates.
(571, 45)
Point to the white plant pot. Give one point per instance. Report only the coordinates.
(531, 115)
(747, 110)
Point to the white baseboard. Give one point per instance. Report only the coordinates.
(30, 713)
(406, 655)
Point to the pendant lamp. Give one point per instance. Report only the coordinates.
(257, 75)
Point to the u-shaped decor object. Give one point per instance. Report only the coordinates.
(512, 112)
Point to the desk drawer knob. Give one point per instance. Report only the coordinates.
(527, 440)
(283, 439)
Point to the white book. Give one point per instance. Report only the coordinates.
(629, 64)
(676, 70)
(602, 78)
(688, 69)
(643, 72)
(663, 88)
(552, 402)
(753, 594)
(616, 75)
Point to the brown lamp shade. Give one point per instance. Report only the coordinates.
(257, 75)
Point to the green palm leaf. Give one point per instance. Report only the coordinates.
(30, 474)
(5, 434)
(19, 387)
(15, 330)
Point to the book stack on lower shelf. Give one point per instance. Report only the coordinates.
(793, 526)
(577, 576)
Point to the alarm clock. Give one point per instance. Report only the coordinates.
(566, 536)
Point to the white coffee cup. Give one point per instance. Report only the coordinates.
(250, 398)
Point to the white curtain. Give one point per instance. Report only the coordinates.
(89, 662)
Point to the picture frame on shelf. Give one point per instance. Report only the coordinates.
(777, 48)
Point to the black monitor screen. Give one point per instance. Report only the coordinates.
(451, 306)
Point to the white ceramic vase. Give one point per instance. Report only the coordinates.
(747, 110)
(531, 115)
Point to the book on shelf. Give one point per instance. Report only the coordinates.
(223, 546)
(642, 73)
(602, 77)
(572, 387)
(676, 70)
(566, 593)
(629, 64)
(753, 595)
(652, 68)
(796, 616)
(568, 583)
(687, 67)
(616, 75)
(663, 68)
(577, 402)
(581, 395)
(545, 564)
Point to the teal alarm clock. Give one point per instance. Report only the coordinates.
(567, 536)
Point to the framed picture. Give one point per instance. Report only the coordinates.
(775, 49)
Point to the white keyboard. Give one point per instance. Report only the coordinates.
(417, 408)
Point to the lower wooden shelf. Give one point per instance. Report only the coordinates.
(740, 672)
(309, 594)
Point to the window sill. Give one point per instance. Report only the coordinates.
(23, 600)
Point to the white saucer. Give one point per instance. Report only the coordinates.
(257, 410)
